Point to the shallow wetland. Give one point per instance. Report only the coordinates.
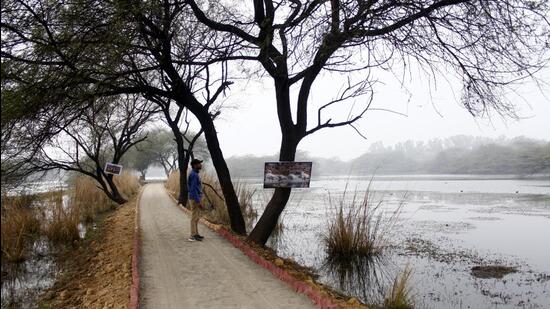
(471, 241)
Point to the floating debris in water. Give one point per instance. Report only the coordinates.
(492, 271)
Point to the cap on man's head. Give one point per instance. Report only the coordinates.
(195, 162)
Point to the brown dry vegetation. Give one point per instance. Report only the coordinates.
(20, 223)
(89, 198)
(26, 216)
(98, 273)
(400, 295)
(127, 183)
(173, 183)
(61, 224)
(360, 227)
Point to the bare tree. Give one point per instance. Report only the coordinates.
(489, 44)
(91, 49)
(103, 134)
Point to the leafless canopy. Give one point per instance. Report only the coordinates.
(489, 44)
(103, 134)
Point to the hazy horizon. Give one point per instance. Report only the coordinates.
(249, 125)
(488, 139)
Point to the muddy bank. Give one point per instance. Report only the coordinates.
(97, 274)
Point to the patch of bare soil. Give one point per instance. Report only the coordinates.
(97, 274)
(492, 271)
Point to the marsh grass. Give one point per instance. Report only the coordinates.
(363, 277)
(173, 183)
(62, 220)
(88, 198)
(56, 214)
(361, 226)
(127, 183)
(400, 295)
(20, 224)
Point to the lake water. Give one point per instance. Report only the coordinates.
(447, 225)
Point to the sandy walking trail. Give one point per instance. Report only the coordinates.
(176, 273)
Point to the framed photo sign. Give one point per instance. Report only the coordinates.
(114, 169)
(287, 174)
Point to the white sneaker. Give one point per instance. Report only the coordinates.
(192, 238)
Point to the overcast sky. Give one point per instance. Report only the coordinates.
(427, 110)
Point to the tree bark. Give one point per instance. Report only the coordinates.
(224, 177)
(183, 162)
(111, 189)
(263, 229)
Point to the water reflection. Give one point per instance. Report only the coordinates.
(22, 282)
(365, 277)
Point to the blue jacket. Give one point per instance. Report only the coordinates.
(194, 185)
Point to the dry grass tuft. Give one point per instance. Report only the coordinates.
(400, 295)
(56, 218)
(62, 220)
(88, 198)
(20, 223)
(127, 184)
(360, 227)
(173, 183)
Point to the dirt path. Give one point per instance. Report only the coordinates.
(176, 273)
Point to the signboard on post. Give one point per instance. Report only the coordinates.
(287, 174)
(114, 169)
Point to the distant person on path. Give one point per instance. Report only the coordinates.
(195, 198)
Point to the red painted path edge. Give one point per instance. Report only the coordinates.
(134, 288)
(301, 287)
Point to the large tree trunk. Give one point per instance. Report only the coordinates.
(111, 189)
(265, 226)
(224, 177)
(291, 136)
(182, 166)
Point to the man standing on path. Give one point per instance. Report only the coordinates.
(195, 196)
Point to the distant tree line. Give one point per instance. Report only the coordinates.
(454, 155)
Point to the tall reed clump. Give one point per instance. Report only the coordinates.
(361, 227)
(173, 183)
(62, 219)
(88, 198)
(400, 296)
(20, 223)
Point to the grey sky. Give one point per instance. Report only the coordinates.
(432, 110)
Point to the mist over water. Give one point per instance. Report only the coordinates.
(455, 155)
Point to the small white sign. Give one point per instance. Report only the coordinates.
(114, 169)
